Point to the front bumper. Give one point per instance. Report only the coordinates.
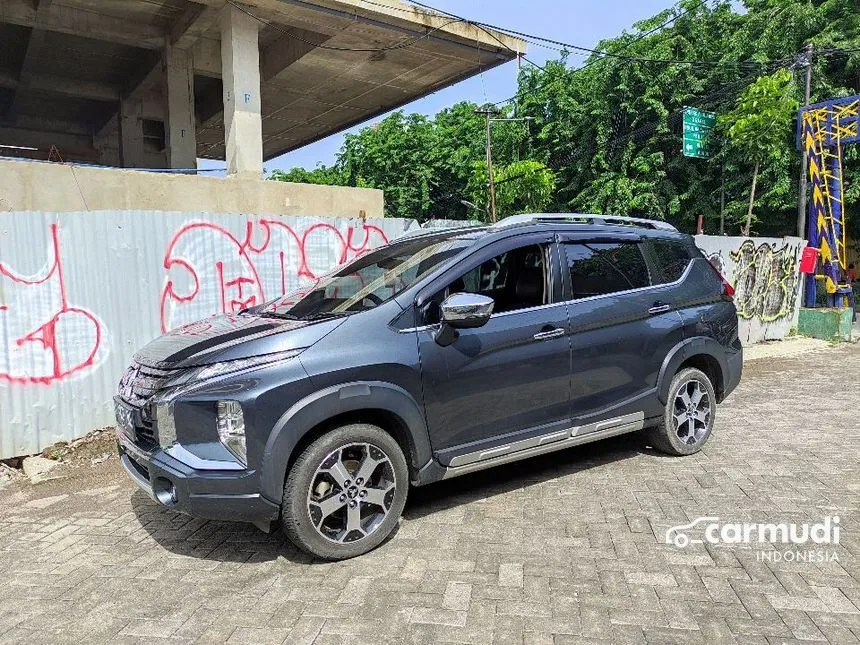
(212, 494)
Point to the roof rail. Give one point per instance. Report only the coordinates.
(578, 218)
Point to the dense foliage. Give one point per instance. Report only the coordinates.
(606, 136)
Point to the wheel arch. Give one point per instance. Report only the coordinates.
(703, 353)
(383, 404)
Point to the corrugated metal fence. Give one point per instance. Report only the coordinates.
(81, 291)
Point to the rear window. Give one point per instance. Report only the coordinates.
(672, 258)
(600, 268)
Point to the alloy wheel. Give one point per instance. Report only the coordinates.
(691, 413)
(351, 492)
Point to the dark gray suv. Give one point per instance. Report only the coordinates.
(437, 355)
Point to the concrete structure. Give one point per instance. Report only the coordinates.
(765, 274)
(50, 187)
(825, 323)
(158, 83)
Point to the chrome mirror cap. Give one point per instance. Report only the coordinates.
(467, 310)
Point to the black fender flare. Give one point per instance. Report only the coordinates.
(688, 348)
(330, 402)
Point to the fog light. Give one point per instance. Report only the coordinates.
(166, 424)
(231, 428)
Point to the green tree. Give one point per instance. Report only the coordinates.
(324, 175)
(757, 126)
(521, 187)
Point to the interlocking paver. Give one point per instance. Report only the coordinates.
(565, 548)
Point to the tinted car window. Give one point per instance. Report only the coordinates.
(672, 257)
(515, 280)
(601, 268)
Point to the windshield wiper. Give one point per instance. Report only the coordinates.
(328, 314)
(275, 314)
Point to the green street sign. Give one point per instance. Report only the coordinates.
(697, 128)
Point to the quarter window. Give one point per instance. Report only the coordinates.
(600, 268)
(672, 256)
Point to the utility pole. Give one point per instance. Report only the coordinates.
(801, 201)
(488, 111)
(723, 200)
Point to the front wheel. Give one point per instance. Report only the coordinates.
(688, 417)
(345, 492)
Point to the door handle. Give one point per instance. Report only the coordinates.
(550, 333)
(659, 308)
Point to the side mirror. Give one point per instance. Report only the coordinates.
(467, 310)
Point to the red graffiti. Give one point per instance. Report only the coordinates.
(212, 271)
(67, 341)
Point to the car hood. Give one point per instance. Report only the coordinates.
(231, 337)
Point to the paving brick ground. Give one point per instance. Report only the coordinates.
(566, 548)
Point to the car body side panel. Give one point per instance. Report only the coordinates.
(617, 350)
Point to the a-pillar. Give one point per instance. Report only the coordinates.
(180, 130)
(240, 73)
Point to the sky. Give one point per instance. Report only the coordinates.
(580, 22)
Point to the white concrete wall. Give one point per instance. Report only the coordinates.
(54, 187)
(765, 274)
(80, 292)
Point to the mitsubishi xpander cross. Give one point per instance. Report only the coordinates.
(437, 355)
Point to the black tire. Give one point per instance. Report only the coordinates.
(309, 470)
(683, 439)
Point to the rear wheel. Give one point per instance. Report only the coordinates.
(345, 493)
(688, 417)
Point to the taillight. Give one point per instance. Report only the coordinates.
(728, 289)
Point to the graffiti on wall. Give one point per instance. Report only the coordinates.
(209, 270)
(44, 339)
(765, 280)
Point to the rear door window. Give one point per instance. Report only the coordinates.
(601, 268)
(671, 257)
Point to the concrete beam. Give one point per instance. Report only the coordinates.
(207, 57)
(286, 50)
(243, 125)
(195, 22)
(81, 22)
(179, 127)
(31, 55)
(64, 87)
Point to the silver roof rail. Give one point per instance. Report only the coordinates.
(578, 218)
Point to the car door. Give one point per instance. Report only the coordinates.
(622, 327)
(508, 380)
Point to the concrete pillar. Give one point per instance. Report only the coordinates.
(131, 153)
(179, 128)
(240, 73)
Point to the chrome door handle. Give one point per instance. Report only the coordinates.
(552, 333)
(659, 309)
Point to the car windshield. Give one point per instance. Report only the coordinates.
(369, 280)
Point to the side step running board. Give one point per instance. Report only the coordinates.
(576, 436)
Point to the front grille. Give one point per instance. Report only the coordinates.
(138, 384)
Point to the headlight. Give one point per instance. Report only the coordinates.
(190, 379)
(231, 428)
(215, 370)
